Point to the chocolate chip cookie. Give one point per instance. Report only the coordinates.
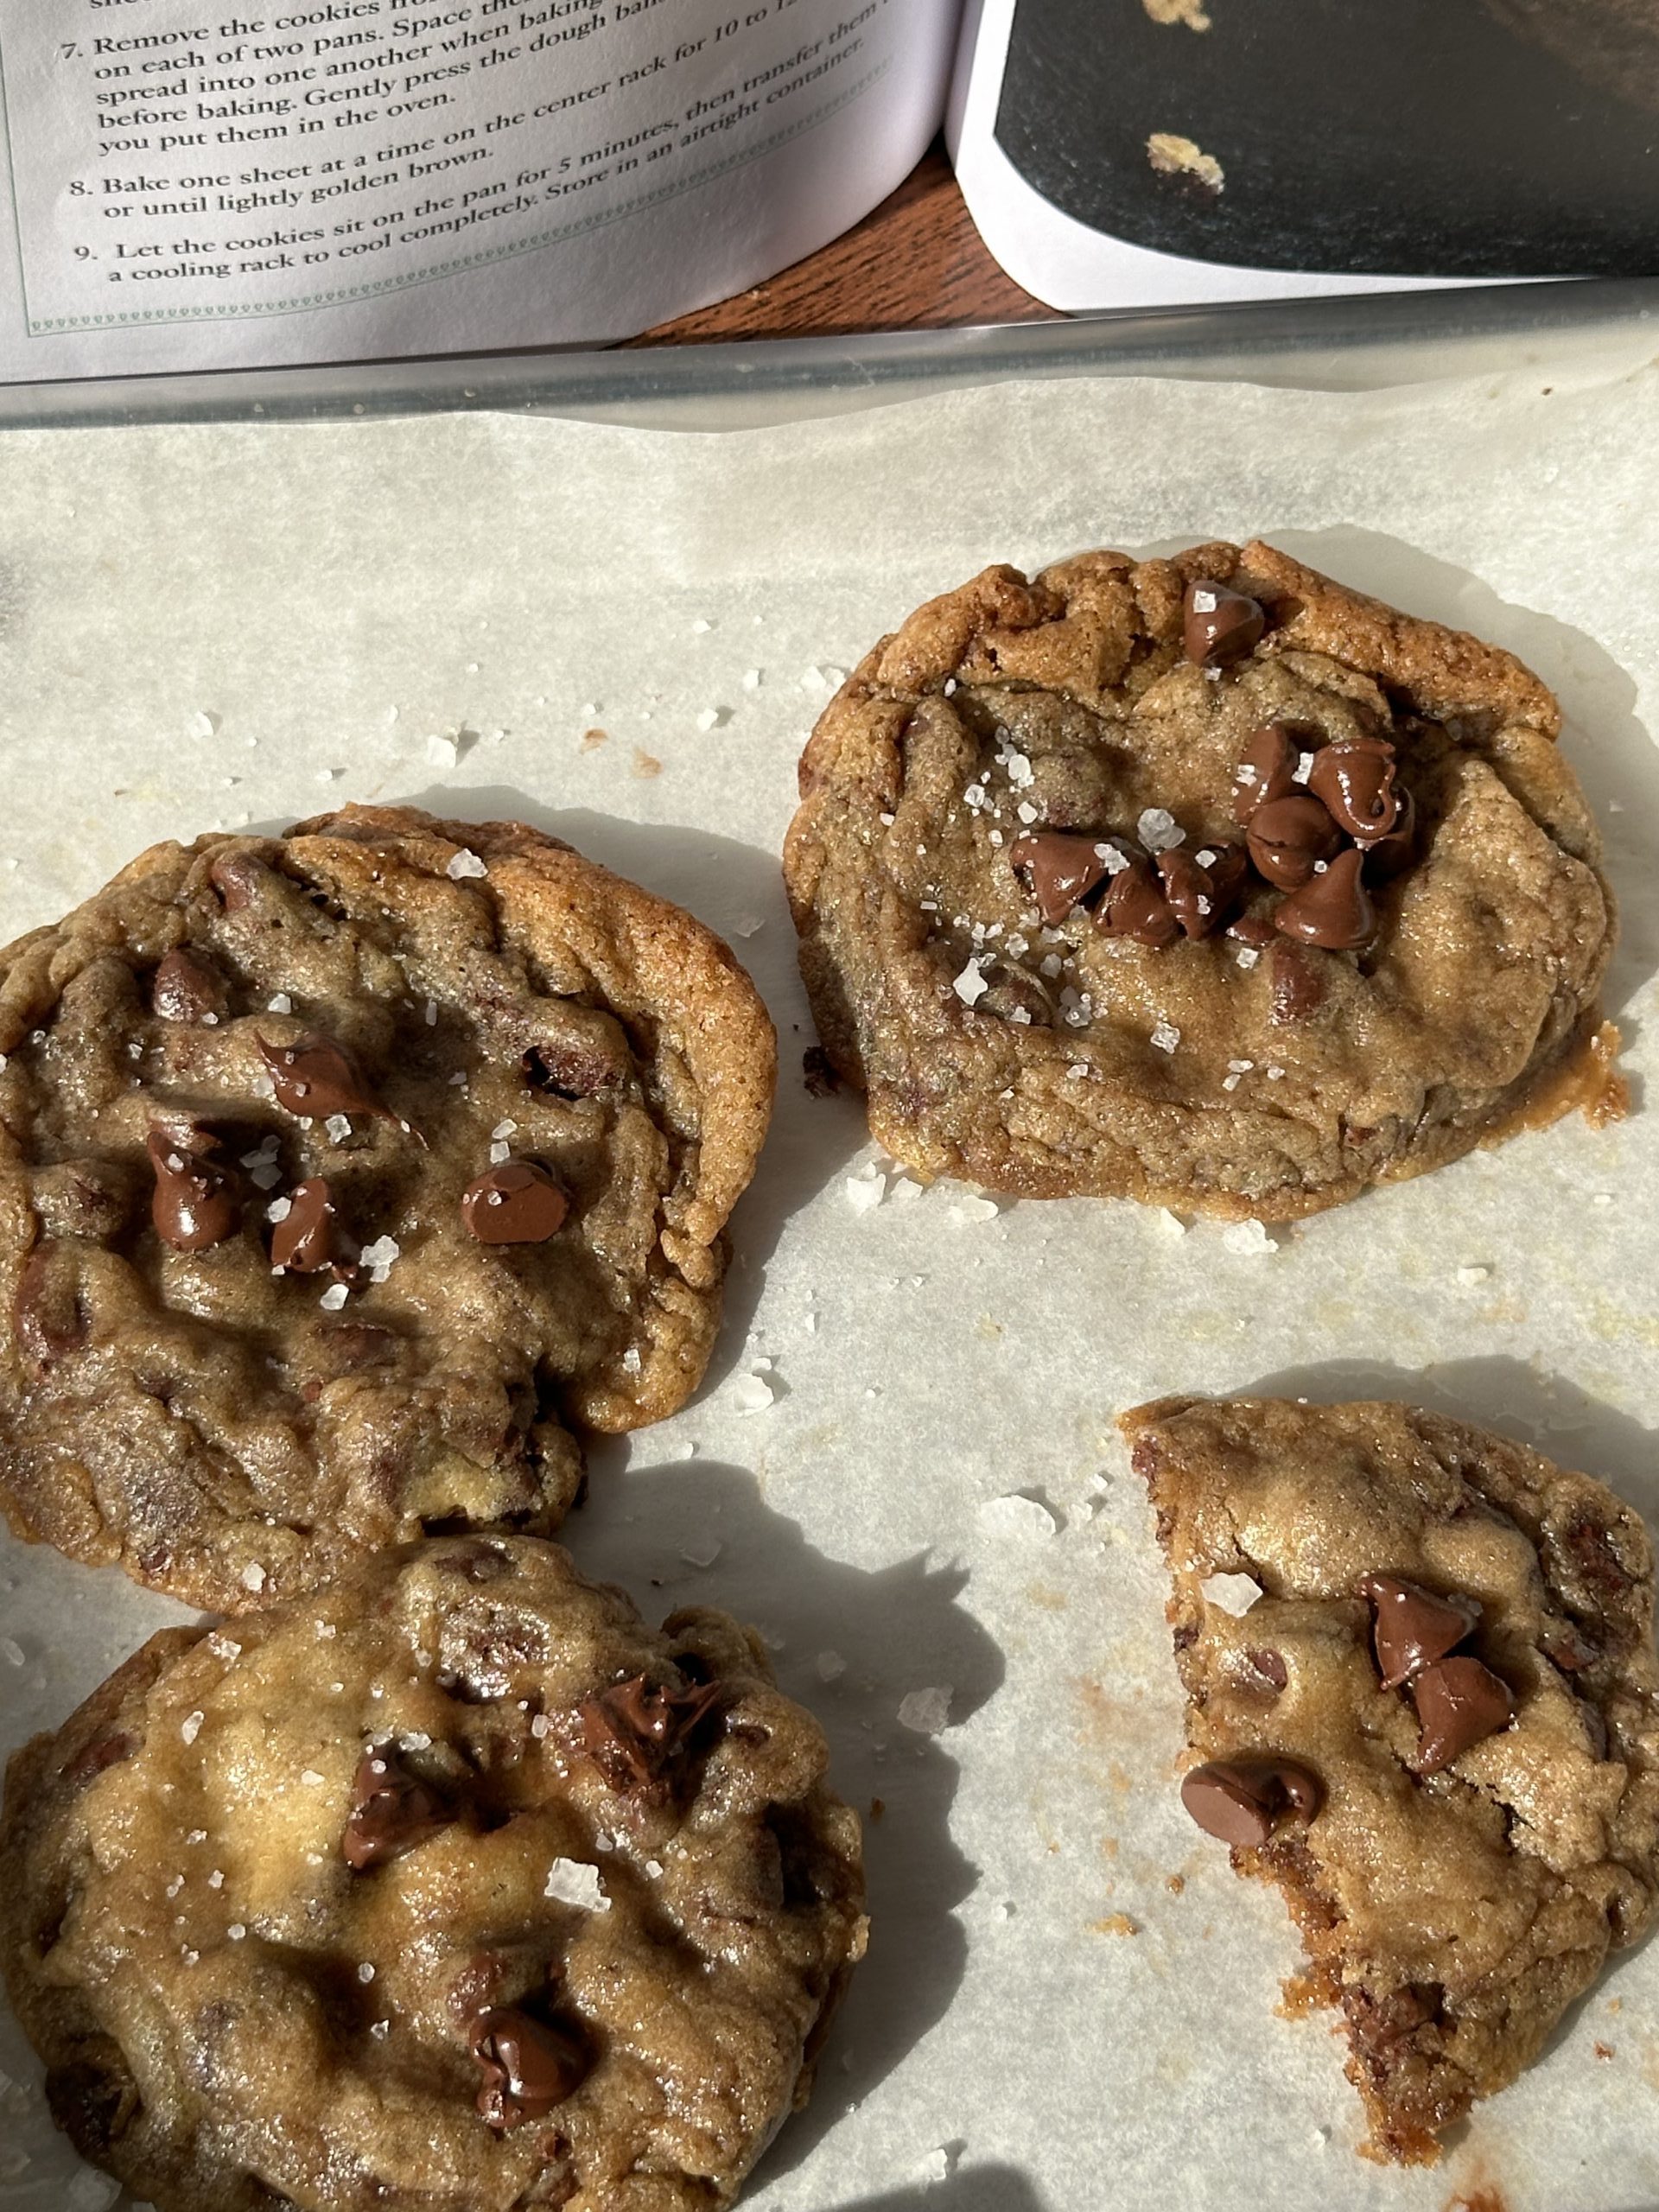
(449, 1888)
(1205, 880)
(1421, 1690)
(341, 1174)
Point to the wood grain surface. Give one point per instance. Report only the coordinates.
(916, 263)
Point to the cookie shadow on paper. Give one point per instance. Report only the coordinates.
(851, 1644)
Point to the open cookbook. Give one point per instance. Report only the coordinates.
(191, 187)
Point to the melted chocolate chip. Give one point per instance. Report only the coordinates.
(1201, 894)
(1243, 1800)
(1253, 930)
(1355, 780)
(528, 2065)
(1266, 770)
(392, 1812)
(1061, 870)
(516, 1203)
(1298, 986)
(185, 989)
(194, 1205)
(1386, 856)
(1218, 624)
(1287, 836)
(1459, 1703)
(1333, 910)
(103, 1752)
(317, 1078)
(1412, 1626)
(1134, 906)
(308, 1236)
(632, 1731)
(1270, 1665)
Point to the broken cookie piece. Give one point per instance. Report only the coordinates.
(1435, 1730)
(1049, 828)
(346, 1178)
(350, 1907)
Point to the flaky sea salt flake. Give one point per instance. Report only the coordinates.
(970, 986)
(465, 863)
(1231, 1593)
(1249, 1238)
(925, 1712)
(1016, 1516)
(253, 1576)
(1166, 1036)
(571, 1881)
(1159, 831)
(333, 1298)
(753, 1393)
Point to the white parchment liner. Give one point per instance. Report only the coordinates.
(207, 626)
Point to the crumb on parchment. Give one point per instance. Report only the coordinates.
(1172, 155)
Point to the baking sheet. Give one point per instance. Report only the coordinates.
(203, 626)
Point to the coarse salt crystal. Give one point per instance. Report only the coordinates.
(310, 1777)
(1249, 1237)
(499, 1150)
(752, 679)
(830, 1666)
(751, 1393)
(926, 1712)
(701, 627)
(253, 1576)
(431, 1013)
(865, 1193)
(1304, 767)
(333, 1298)
(1021, 773)
(1232, 1593)
(1470, 1276)
(540, 1727)
(190, 1727)
(1166, 1036)
(379, 1256)
(973, 1208)
(88, 2191)
(970, 986)
(443, 752)
(504, 1128)
(466, 862)
(1247, 955)
(11, 1651)
(1026, 810)
(175, 1885)
(708, 719)
(570, 1881)
(365, 1972)
(702, 1551)
(279, 1002)
(216, 1879)
(379, 2030)
(1159, 831)
(339, 1127)
(1016, 1515)
(237, 1931)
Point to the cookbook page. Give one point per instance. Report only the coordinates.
(186, 188)
(903, 1466)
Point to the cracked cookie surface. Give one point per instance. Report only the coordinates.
(344, 1174)
(1111, 1021)
(451, 1887)
(1425, 1705)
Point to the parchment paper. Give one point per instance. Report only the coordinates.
(214, 626)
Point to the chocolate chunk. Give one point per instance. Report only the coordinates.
(1218, 624)
(1355, 780)
(1287, 836)
(1412, 1626)
(1060, 870)
(528, 2065)
(1566, 1644)
(1266, 770)
(516, 1203)
(1252, 930)
(308, 1238)
(568, 1070)
(1242, 1801)
(1298, 986)
(236, 877)
(103, 1752)
(1333, 910)
(818, 1072)
(1387, 856)
(317, 1078)
(194, 1205)
(392, 1812)
(1134, 906)
(1201, 894)
(1270, 1665)
(185, 989)
(632, 1731)
(51, 1321)
(1459, 1703)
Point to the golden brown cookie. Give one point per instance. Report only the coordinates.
(1422, 1701)
(451, 1887)
(1205, 881)
(342, 1175)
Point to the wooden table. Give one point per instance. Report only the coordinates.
(916, 263)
